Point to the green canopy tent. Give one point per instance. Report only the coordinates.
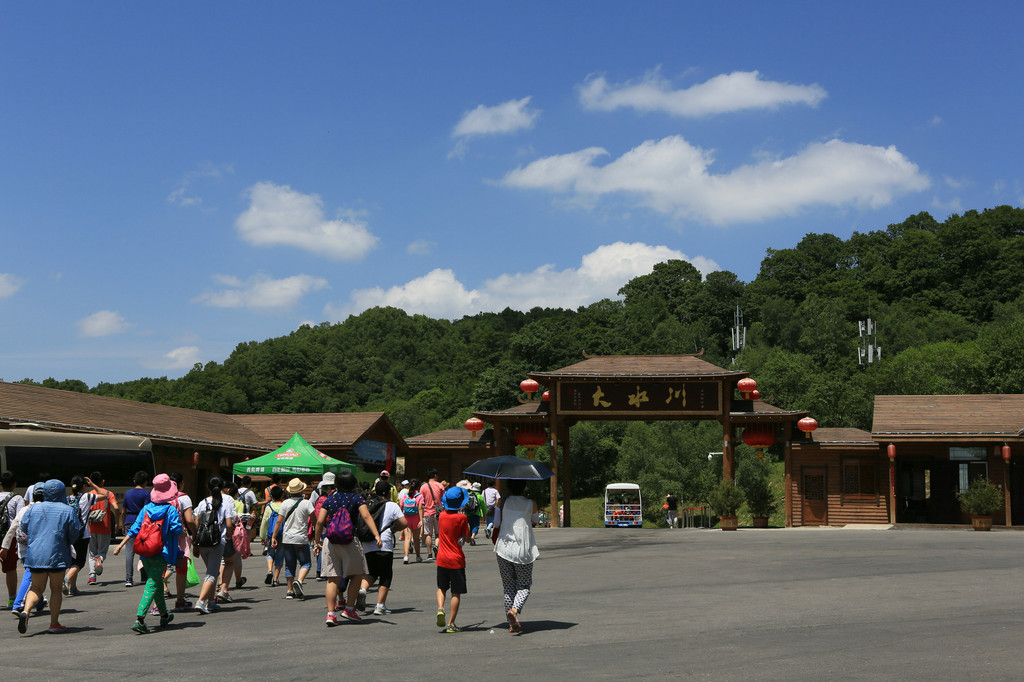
(296, 457)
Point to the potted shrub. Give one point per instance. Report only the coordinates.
(760, 500)
(725, 499)
(980, 500)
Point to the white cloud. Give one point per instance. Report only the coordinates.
(10, 284)
(102, 323)
(440, 294)
(183, 195)
(735, 91)
(501, 119)
(184, 357)
(260, 291)
(672, 176)
(420, 247)
(278, 215)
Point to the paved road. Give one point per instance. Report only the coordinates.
(616, 603)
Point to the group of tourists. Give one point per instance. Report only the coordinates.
(350, 531)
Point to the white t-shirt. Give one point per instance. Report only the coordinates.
(294, 531)
(83, 513)
(248, 498)
(227, 511)
(392, 512)
(491, 496)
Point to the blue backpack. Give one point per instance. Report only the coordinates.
(271, 523)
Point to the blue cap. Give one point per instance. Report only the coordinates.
(455, 498)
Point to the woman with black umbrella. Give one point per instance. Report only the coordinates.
(516, 548)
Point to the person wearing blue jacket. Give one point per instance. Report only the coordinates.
(51, 527)
(160, 509)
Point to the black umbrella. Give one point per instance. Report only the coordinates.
(508, 467)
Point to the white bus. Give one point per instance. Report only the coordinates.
(622, 506)
(31, 452)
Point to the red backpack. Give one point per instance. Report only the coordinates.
(311, 522)
(150, 540)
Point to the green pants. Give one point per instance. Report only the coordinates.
(155, 566)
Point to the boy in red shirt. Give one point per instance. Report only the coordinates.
(453, 530)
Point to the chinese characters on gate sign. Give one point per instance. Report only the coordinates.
(638, 398)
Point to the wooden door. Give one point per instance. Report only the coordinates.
(815, 498)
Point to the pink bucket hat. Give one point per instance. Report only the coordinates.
(164, 489)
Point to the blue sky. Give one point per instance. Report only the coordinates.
(178, 178)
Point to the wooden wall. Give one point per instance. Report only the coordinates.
(840, 511)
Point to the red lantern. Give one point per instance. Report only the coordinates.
(891, 451)
(531, 437)
(474, 424)
(807, 425)
(759, 437)
(195, 459)
(529, 387)
(746, 387)
(755, 395)
(1006, 453)
(546, 396)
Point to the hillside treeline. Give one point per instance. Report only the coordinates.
(946, 298)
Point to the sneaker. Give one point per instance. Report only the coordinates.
(361, 600)
(290, 595)
(203, 607)
(182, 606)
(297, 589)
(269, 579)
(419, 559)
(332, 620)
(405, 560)
(22, 621)
(350, 614)
(440, 618)
(74, 592)
(57, 629)
(16, 612)
(453, 628)
(98, 566)
(140, 627)
(222, 596)
(153, 610)
(129, 583)
(65, 589)
(91, 580)
(381, 610)
(165, 619)
(339, 605)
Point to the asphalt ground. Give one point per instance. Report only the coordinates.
(796, 604)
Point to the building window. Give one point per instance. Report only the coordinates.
(968, 471)
(860, 479)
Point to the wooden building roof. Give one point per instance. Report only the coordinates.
(452, 437)
(637, 366)
(845, 438)
(341, 429)
(528, 412)
(948, 417)
(85, 412)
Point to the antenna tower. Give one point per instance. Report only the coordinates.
(868, 352)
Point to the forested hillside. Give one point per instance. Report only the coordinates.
(947, 299)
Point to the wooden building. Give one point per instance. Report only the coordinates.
(202, 444)
(923, 451)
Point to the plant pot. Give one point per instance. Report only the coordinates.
(760, 522)
(981, 522)
(728, 522)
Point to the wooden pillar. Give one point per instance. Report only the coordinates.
(787, 494)
(1006, 486)
(566, 477)
(728, 452)
(891, 448)
(728, 455)
(553, 481)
